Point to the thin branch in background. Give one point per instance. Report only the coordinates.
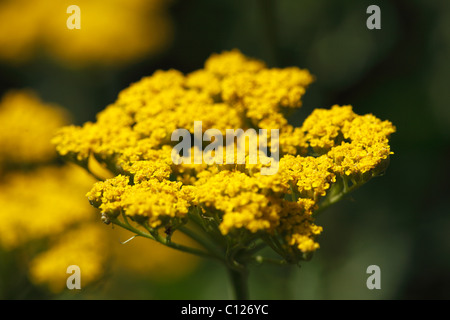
(270, 29)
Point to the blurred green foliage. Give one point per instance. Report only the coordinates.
(400, 222)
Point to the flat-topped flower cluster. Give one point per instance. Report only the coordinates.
(233, 205)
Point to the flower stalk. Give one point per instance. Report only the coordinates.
(239, 281)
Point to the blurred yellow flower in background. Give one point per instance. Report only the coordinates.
(26, 126)
(83, 246)
(41, 203)
(115, 32)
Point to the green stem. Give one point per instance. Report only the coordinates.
(128, 227)
(260, 260)
(239, 281)
(271, 244)
(163, 240)
(333, 198)
(211, 230)
(257, 248)
(181, 247)
(205, 244)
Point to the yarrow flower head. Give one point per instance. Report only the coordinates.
(232, 204)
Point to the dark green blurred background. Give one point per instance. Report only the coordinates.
(401, 221)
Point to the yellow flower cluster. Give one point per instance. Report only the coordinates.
(83, 247)
(151, 199)
(132, 137)
(356, 144)
(145, 114)
(26, 127)
(44, 209)
(258, 202)
(41, 203)
(111, 33)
